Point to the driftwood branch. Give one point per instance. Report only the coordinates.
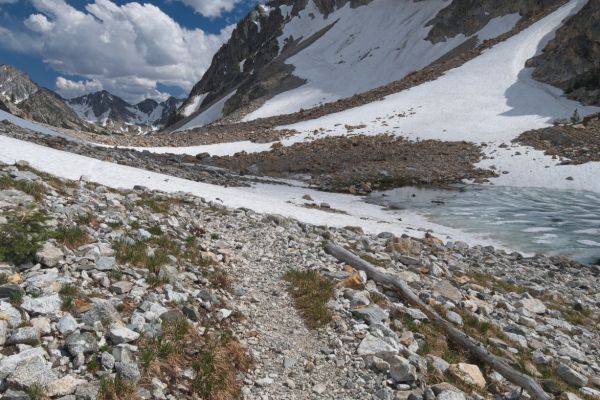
(458, 337)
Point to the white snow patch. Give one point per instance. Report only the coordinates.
(498, 26)
(192, 107)
(263, 198)
(211, 114)
(33, 126)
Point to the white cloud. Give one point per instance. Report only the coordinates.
(68, 88)
(127, 48)
(38, 23)
(211, 8)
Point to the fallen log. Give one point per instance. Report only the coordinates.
(476, 348)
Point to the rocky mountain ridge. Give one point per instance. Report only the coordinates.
(110, 111)
(571, 60)
(23, 97)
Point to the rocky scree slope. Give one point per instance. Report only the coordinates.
(571, 60)
(253, 62)
(146, 295)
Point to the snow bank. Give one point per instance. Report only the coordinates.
(263, 198)
(33, 126)
(211, 114)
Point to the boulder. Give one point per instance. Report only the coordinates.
(469, 374)
(42, 305)
(571, 376)
(49, 255)
(448, 291)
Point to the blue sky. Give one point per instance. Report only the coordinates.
(142, 49)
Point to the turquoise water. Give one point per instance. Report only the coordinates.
(531, 220)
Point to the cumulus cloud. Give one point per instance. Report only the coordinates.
(38, 23)
(211, 8)
(68, 88)
(127, 48)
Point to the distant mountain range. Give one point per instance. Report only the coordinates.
(110, 111)
(100, 112)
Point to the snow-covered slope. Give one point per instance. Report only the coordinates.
(209, 115)
(491, 97)
(367, 47)
(298, 54)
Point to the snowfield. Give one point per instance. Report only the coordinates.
(492, 97)
(367, 47)
(262, 198)
(211, 114)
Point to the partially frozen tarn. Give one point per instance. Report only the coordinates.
(263, 198)
(589, 243)
(539, 229)
(590, 231)
(367, 47)
(211, 114)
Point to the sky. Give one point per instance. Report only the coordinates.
(134, 49)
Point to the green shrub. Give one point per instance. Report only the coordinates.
(22, 236)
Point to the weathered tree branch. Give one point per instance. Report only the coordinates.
(458, 337)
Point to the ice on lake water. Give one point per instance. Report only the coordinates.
(530, 220)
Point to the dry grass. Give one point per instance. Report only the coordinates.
(311, 292)
(34, 189)
(71, 236)
(217, 360)
(116, 389)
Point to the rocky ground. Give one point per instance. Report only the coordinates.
(360, 164)
(122, 295)
(182, 166)
(572, 143)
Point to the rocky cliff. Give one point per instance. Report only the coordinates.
(23, 97)
(571, 61)
(469, 16)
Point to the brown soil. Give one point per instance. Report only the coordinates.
(576, 144)
(360, 164)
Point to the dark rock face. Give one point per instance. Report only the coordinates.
(47, 107)
(469, 16)
(25, 98)
(147, 106)
(571, 61)
(252, 61)
(104, 103)
(15, 84)
(3, 107)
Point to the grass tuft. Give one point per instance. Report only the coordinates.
(311, 293)
(22, 236)
(116, 389)
(71, 236)
(34, 189)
